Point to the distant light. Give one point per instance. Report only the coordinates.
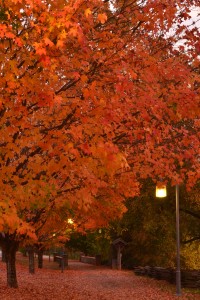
(161, 191)
(70, 221)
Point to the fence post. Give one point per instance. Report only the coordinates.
(62, 264)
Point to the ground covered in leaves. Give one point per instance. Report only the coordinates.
(83, 282)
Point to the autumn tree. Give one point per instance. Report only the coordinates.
(94, 97)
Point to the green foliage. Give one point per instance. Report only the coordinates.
(91, 243)
(149, 227)
(190, 255)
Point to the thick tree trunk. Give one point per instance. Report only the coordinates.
(31, 260)
(40, 259)
(10, 249)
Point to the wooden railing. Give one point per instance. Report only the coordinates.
(189, 279)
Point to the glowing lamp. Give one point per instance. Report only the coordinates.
(161, 191)
(70, 221)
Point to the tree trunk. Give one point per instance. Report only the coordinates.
(3, 258)
(10, 249)
(31, 260)
(40, 259)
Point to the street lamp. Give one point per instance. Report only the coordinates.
(161, 192)
(70, 221)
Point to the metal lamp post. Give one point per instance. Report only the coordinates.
(178, 271)
(162, 192)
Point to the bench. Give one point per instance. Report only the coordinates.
(62, 260)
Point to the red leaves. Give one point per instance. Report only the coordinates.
(48, 42)
(86, 148)
(85, 282)
(92, 102)
(19, 42)
(40, 49)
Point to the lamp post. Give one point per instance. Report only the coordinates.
(161, 192)
(178, 271)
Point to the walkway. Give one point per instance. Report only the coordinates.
(86, 282)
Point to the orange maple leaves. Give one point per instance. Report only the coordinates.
(91, 104)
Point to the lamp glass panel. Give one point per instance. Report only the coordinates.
(161, 191)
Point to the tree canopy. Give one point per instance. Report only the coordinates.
(94, 97)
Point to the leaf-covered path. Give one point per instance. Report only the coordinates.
(84, 282)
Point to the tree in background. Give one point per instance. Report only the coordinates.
(149, 228)
(91, 243)
(190, 222)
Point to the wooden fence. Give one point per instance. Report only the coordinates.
(189, 279)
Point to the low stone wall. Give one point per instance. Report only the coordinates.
(93, 260)
(189, 279)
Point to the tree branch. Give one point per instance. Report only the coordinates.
(191, 240)
(195, 215)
